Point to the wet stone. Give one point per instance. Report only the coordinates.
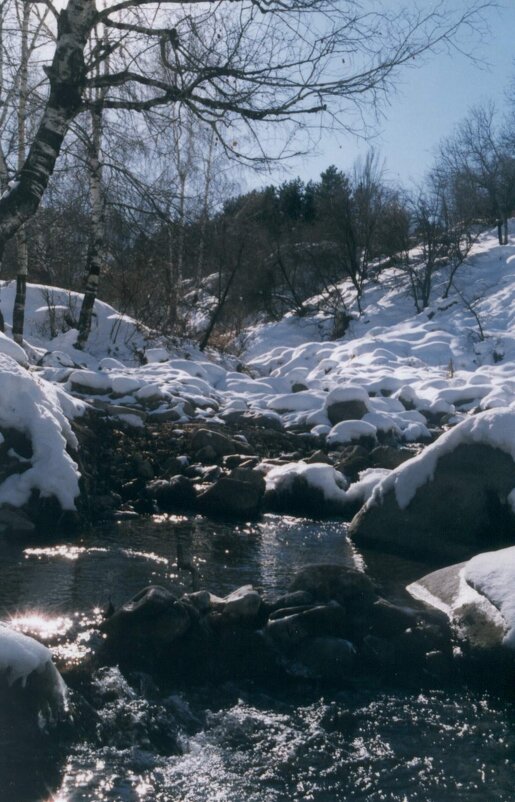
(218, 443)
(15, 522)
(351, 588)
(327, 658)
(231, 498)
(288, 631)
(178, 493)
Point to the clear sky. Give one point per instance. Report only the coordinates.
(429, 101)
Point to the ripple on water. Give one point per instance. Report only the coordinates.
(355, 746)
(227, 745)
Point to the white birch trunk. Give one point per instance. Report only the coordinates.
(22, 249)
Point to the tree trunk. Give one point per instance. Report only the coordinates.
(171, 282)
(22, 251)
(67, 79)
(221, 301)
(21, 286)
(96, 256)
(205, 209)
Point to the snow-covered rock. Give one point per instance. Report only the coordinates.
(315, 489)
(39, 410)
(478, 596)
(32, 692)
(351, 431)
(346, 403)
(451, 499)
(9, 348)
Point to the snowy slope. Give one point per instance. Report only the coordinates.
(408, 369)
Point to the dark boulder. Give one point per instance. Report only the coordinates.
(326, 658)
(338, 411)
(347, 586)
(461, 509)
(221, 444)
(177, 493)
(144, 631)
(288, 632)
(233, 498)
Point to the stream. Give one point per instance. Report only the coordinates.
(238, 743)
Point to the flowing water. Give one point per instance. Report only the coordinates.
(239, 743)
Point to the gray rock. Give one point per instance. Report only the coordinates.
(249, 476)
(221, 444)
(242, 603)
(317, 457)
(350, 588)
(346, 410)
(202, 600)
(31, 706)
(350, 460)
(327, 658)
(163, 415)
(378, 653)
(207, 455)
(178, 493)
(119, 409)
(296, 599)
(143, 467)
(302, 498)
(15, 522)
(142, 631)
(234, 461)
(390, 457)
(290, 630)
(476, 621)
(463, 510)
(232, 498)
(261, 420)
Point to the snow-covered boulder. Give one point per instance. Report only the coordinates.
(32, 692)
(478, 596)
(298, 488)
(346, 403)
(9, 348)
(352, 431)
(39, 411)
(450, 501)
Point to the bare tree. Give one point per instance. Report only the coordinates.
(481, 160)
(235, 65)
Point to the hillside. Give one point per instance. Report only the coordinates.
(413, 374)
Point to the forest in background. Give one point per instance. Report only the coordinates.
(143, 195)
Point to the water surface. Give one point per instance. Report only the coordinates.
(236, 743)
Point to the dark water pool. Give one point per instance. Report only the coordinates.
(237, 743)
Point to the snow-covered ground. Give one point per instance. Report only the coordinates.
(408, 369)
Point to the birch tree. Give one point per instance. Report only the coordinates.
(22, 32)
(236, 66)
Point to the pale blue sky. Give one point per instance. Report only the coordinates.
(430, 100)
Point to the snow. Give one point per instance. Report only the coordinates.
(90, 379)
(495, 428)
(332, 483)
(21, 655)
(323, 477)
(349, 430)
(478, 596)
(10, 348)
(349, 393)
(412, 371)
(33, 406)
(493, 575)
